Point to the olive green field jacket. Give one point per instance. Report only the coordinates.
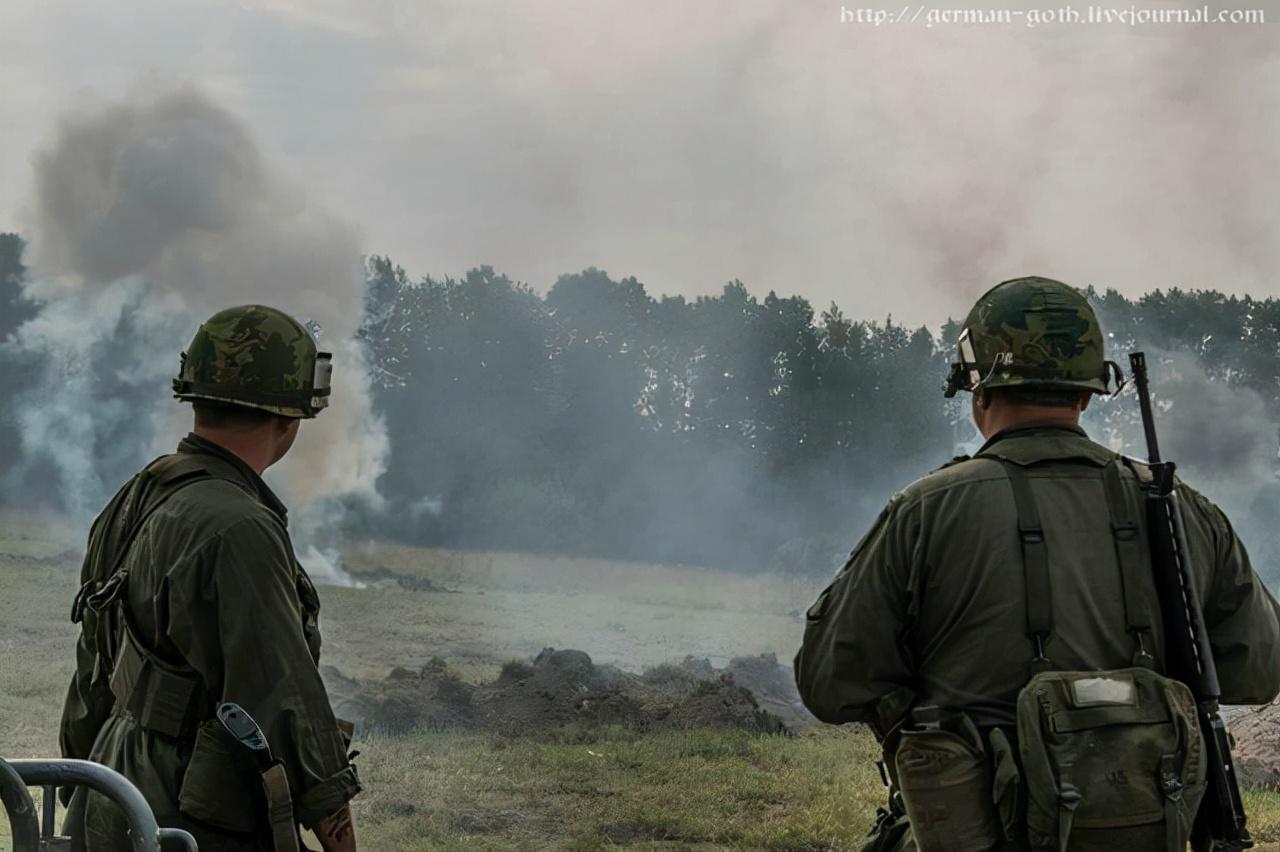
(931, 609)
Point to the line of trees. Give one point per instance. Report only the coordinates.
(602, 421)
(750, 433)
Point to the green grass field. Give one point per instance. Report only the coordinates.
(578, 789)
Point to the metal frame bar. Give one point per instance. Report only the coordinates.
(24, 827)
(144, 834)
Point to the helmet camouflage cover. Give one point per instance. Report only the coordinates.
(1031, 332)
(256, 357)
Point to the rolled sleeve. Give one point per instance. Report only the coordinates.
(327, 797)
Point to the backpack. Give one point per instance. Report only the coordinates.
(1110, 760)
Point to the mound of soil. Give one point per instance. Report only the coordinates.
(561, 688)
(721, 703)
(432, 697)
(774, 686)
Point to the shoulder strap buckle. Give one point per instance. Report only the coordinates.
(107, 592)
(1040, 662)
(1141, 656)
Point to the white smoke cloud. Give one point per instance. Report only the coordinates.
(1219, 433)
(67, 421)
(895, 169)
(149, 215)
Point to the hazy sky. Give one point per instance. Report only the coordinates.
(687, 142)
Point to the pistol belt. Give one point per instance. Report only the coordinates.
(159, 695)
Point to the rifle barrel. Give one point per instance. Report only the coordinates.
(1138, 365)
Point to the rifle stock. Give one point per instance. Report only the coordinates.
(1220, 822)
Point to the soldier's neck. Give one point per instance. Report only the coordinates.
(1001, 416)
(248, 446)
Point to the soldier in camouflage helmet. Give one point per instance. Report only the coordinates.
(192, 596)
(927, 631)
(1031, 332)
(256, 357)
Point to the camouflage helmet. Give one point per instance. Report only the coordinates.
(1032, 332)
(256, 357)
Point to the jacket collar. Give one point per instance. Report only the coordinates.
(1028, 443)
(229, 463)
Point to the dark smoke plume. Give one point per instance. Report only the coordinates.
(147, 216)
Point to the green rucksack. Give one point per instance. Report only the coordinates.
(1110, 760)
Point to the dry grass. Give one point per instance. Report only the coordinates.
(583, 790)
(707, 788)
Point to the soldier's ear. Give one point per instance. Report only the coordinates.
(281, 426)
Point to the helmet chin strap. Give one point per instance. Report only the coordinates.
(965, 376)
(964, 371)
(957, 380)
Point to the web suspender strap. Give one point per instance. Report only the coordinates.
(99, 593)
(1134, 567)
(160, 694)
(1035, 565)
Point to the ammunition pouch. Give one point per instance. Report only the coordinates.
(252, 755)
(217, 789)
(1111, 759)
(214, 786)
(945, 777)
